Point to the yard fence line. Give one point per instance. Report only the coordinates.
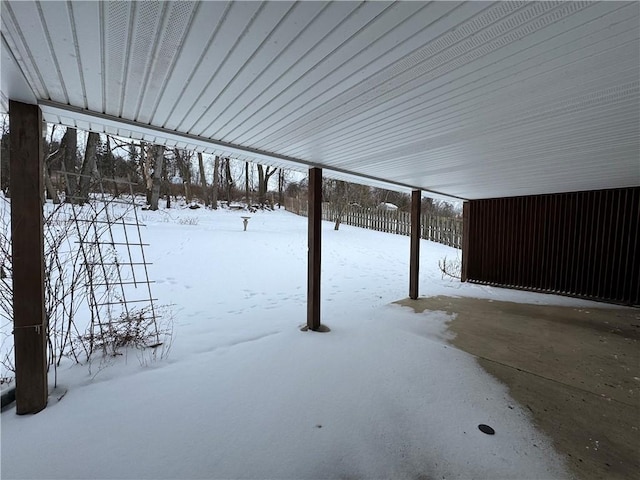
(445, 230)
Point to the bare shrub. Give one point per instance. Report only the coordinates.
(136, 329)
(188, 220)
(450, 268)
(86, 304)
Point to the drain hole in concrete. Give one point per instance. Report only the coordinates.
(486, 429)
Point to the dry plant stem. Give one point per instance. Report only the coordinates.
(450, 268)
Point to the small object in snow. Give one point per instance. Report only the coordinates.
(58, 393)
(318, 426)
(245, 221)
(194, 206)
(486, 429)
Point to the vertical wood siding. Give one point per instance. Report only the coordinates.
(581, 244)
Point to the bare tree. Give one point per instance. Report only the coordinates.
(263, 182)
(112, 163)
(89, 167)
(203, 181)
(340, 200)
(146, 167)
(69, 149)
(183, 159)
(166, 183)
(214, 193)
(157, 152)
(228, 178)
(280, 187)
(246, 183)
(49, 157)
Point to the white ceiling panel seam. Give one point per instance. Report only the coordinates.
(116, 31)
(417, 105)
(78, 62)
(15, 39)
(252, 86)
(272, 92)
(206, 128)
(236, 73)
(186, 67)
(52, 53)
(625, 98)
(413, 67)
(507, 138)
(229, 32)
(149, 18)
(336, 53)
(271, 146)
(176, 32)
(236, 49)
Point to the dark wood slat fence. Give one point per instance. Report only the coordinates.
(581, 244)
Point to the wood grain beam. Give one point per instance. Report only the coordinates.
(25, 136)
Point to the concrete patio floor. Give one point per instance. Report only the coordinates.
(577, 370)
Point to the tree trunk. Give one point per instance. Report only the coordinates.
(166, 185)
(340, 201)
(51, 191)
(203, 181)
(112, 162)
(89, 166)
(214, 192)
(246, 184)
(157, 151)
(228, 178)
(262, 193)
(280, 187)
(49, 158)
(263, 182)
(146, 164)
(187, 179)
(182, 159)
(69, 147)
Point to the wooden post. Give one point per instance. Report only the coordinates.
(25, 135)
(315, 239)
(465, 241)
(414, 258)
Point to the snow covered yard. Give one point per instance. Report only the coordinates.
(245, 394)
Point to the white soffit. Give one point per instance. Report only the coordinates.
(472, 100)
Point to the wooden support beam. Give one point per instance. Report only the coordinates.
(414, 258)
(30, 346)
(465, 241)
(315, 241)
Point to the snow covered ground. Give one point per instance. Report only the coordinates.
(245, 394)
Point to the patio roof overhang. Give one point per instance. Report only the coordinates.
(470, 100)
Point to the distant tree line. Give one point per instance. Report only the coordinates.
(341, 194)
(77, 164)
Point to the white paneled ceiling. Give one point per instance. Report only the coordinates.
(472, 100)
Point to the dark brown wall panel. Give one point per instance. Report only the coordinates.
(581, 243)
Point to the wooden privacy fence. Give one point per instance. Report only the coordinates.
(445, 230)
